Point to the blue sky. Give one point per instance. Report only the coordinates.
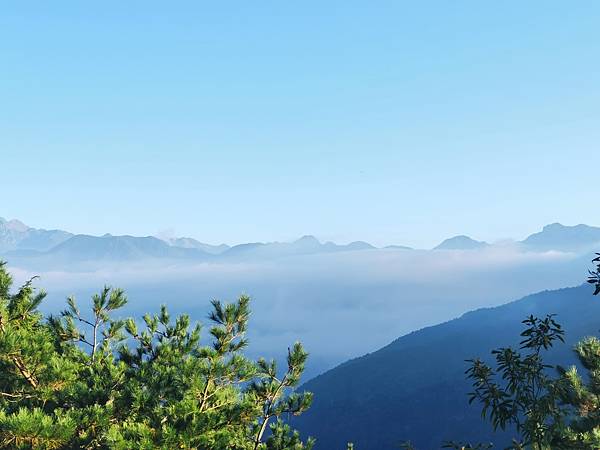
(392, 122)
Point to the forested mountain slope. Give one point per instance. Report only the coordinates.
(415, 389)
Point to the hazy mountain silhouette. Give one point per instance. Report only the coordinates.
(415, 389)
(461, 243)
(120, 248)
(564, 238)
(15, 235)
(186, 242)
(398, 247)
(96, 250)
(21, 241)
(356, 245)
(306, 245)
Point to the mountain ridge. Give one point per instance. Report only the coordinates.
(556, 236)
(19, 239)
(461, 242)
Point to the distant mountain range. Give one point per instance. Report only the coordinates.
(415, 388)
(18, 240)
(553, 237)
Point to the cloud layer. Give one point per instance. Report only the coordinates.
(340, 305)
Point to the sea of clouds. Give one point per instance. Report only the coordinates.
(340, 305)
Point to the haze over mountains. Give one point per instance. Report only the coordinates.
(22, 242)
(344, 301)
(18, 240)
(341, 301)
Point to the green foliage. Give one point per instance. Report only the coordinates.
(32, 428)
(584, 397)
(283, 437)
(594, 275)
(548, 412)
(89, 380)
(520, 392)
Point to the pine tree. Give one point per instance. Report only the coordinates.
(583, 392)
(87, 380)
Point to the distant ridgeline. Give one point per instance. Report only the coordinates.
(21, 243)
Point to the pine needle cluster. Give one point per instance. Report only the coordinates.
(86, 379)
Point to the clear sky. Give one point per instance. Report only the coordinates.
(392, 122)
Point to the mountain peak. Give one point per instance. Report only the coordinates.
(461, 242)
(556, 236)
(16, 225)
(556, 226)
(15, 235)
(359, 245)
(308, 239)
(553, 225)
